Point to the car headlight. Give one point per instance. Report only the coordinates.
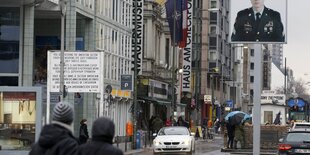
(156, 142)
(186, 142)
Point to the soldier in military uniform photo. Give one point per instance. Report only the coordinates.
(258, 24)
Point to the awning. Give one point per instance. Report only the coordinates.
(296, 102)
(156, 100)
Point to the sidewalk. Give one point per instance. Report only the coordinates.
(138, 150)
(128, 149)
(249, 151)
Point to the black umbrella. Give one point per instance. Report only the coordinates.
(236, 117)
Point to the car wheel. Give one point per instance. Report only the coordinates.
(193, 149)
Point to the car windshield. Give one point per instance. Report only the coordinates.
(302, 126)
(173, 131)
(298, 137)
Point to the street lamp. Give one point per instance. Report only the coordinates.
(63, 9)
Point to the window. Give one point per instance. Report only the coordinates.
(213, 4)
(213, 17)
(268, 116)
(213, 30)
(252, 66)
(252, 79)
(212, 56)
(167, 52)
(252, 52)
(9, 39)
(213, 43)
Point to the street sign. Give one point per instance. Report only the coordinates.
(230, 103)
(126, 82)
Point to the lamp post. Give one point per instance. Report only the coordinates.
(173, 104)
(63, 9)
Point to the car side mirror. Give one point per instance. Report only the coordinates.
(154, 134)
(281, 140)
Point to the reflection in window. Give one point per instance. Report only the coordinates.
(9, 39)
(17, 119)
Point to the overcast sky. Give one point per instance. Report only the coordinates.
(297, 51)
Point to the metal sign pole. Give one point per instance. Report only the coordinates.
(257, 96)
(63, 4)
(135, 111)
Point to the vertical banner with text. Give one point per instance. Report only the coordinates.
(137, 35)
(187, 51)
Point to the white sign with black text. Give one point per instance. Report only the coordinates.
(137, 34)
(187, 52)
(82, 71)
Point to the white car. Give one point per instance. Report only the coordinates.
(300, 125)
(175, 139)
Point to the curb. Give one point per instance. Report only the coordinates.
(248, 151)
(138, 150)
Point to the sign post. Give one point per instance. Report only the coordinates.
(126, 82)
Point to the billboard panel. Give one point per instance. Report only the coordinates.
(20, 118)
(258, 21)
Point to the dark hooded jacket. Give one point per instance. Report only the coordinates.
(102, 135)
(55, 139)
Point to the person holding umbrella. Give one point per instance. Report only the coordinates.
(236, 120)
(231, 135)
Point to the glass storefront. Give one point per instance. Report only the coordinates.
(9, 41)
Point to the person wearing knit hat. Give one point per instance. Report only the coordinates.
(57, 138)
(63, 112)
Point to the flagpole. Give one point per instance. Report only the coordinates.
(173, 106)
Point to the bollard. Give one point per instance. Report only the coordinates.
(125, 143)
(145, 139)
(116, 139)
(138, 144)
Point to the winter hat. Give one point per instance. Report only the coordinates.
(103, 130)
(63, 112)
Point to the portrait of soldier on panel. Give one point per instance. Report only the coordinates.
(258, 23)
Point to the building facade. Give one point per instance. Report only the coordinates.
(217, 57)
(30, 28)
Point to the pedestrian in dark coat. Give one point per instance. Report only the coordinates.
(57, 138)
(231, 135)
(102, 136)
(157, 124)
(83, 137)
